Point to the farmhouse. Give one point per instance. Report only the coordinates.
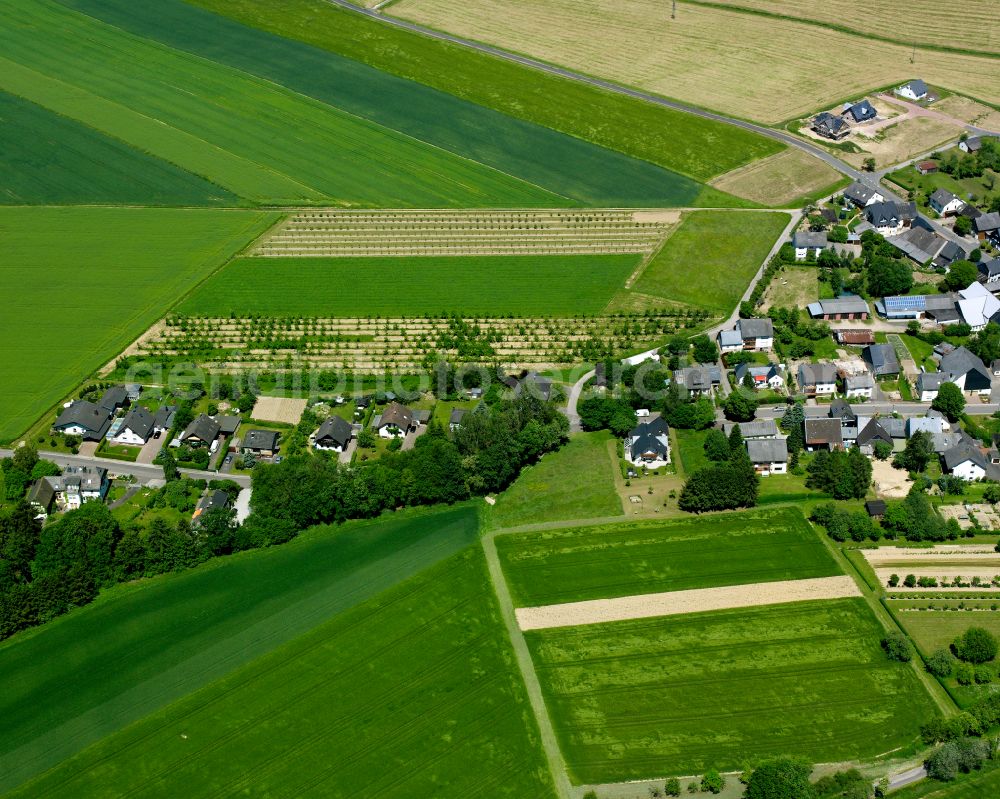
(914, 90)
(855, 336)
(849, 306)
(202, 432)
(757, 334)
(699, 379)
(860, 112)
(862, 195)
(763, 429)
(334, 434)
(977, 306)
(136, 428)
(115, 398)
(761, 376)
(79, 484)
(807, 242)
(881, 360)
(84, 419)
(821, 433)
(965, 461)
(890, 218)
(263, 443)
(987, 228)
(859, 386)
(817, 379)
(830, 126)
(920, 244)
(945, 203)
(649, 444)
(967, 371)
(768, 456)
(940, 307)
(396, 421)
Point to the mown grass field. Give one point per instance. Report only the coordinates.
(674, 140)
(975, 785)
(709, 260)
(49, 159)
(142, 646)
(79, 284)
(561, 164)
(936, 629)
(577, 482)
(647, 557)
(682, 694)
(488, 285)
(413, 693)
(692, 58)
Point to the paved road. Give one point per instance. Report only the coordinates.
(871, 408)
(139, 471)
(907, 777)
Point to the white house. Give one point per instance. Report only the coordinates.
(757, 334)
(807, 242)
(396, 421)
(136, 428)
(861, 385)
(768, 455)
(762, 376)
(914, 90)
(965, 461)
(79, 484)
(945, 203)
(862, 195)
(977, 305)
(890, 218)
(84, 419)
(730, 341)
(649, 444)
(817, 379)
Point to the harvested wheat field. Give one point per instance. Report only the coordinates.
(939, 554)
(672, 603)
(970, 111)
(279, 409)
(695, 56)
(779, 179)
(902, 141)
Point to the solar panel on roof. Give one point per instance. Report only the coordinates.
(916, 303)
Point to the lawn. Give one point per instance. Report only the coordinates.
(709, 260)
(576, 482)
(647, 557)
(975, 785)
(681, 694)
(677, 141)
(254, 137)
(565, 165)
(920, 351)
(936, 629)
(488, 285)
(80, 284)
(925, 185)
(413, 693)
(49, 159)
(141, 646)
(691, 446)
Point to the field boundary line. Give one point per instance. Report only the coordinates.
(695, 600)
(550, 743)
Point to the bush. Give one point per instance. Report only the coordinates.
(964, 674)
(957, 757)
(897, 647)
(941, 663)
(672, 787)
(910, 581)
(783, 778)
(975, 645)
(983, 675)
(893, 580)
(713, 781)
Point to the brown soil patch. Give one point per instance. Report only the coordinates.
(902, 141)
(778, 179)
(279, 409)
(982, 116)
(889, 482)
(671, 603)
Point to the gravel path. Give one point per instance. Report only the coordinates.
(670, 603)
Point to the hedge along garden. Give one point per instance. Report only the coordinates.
(394, 698)
(156, 641)
(50, 159)
(679, 695)
(86, 282)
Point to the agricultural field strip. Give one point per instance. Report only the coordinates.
(671, 603)
(333, 233)
(901, 555)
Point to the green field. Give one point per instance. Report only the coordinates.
(565, 165)
(681, 694)
(647, 557)
(413, 693)
(49, 159)
(936, 629)
(691, 445)
(976, 785)
(675, 140)
(710, 259)
(139, 647)
(80, 284)
(576, 482)
(541, 285)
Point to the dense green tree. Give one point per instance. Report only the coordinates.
(672, 787)
(887, 277)
(716, 446)
(782, 778)
(986, 343)
(20, 532)
(975, 645)
(712, 781)
(941, 663)
(25, 458)
(705, 350)
(961, 274)
(950, 401)
(740, 406)
(897, 647)
(919, 451)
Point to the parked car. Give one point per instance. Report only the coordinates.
(228, 459)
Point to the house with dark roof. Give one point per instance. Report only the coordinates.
(967, 371)
(872, 432)
(698, 380)
(841, 409)
(136, 428)
(455, 418)
(973, 144)
(202, 432)
(919, 244)
(862, 195)
(945, 203)
(333, 435)
(862, 111)
(823, 433)
(965, 460)
(817, 379)
(989, 272)
(263, 443)
(534, 383)
(228, 425)
(808, 242)
(41, 497)
(163, 419)
(850, 306)
(914, 90)
(768, 455)
(757, 334)
(760, 376)
(830, 126)
(84, 419)
(649, 444)
(881, 360)
(79, 484)
(987, 227)
(948, 254)
(213, 500)
(395, 421)
(875, 508)
(856, 386)
(115, 398)
(890, 218)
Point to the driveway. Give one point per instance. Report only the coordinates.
(411, 437)
(88, 449)
(150, 450)
(348, 453)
